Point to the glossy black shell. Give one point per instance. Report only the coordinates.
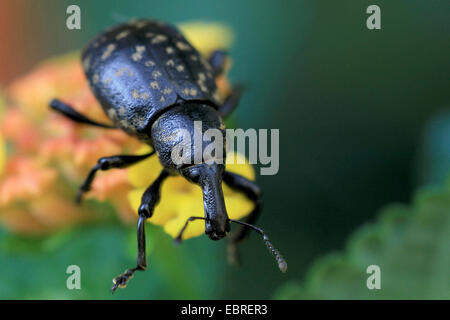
(139, 69)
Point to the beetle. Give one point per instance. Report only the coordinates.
(151, 82)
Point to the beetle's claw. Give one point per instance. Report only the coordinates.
(122, 280)
(178, 240)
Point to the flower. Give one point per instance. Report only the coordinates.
(207, 36)
(49, 155)
(2, 154)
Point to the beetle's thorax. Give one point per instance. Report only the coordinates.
(179, 139)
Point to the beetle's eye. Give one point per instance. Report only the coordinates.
(194, 175)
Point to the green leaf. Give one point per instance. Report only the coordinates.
(35, 268)
(410, 244)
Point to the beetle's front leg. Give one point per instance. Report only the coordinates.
(253, 192)
(150, 199)
(231, 101)
(218, 61)
(106, 163)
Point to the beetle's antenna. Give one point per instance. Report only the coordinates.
(178, 239)
(282, 264)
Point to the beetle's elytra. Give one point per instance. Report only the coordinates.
(151, 82)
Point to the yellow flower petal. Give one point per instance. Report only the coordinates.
(238, 163)
(145, 172)
(207, 36)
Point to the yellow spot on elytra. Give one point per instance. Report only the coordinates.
(141, 24)
(122, 111)
(167, 91)
(180, 68)
(202, 86)
(87, 62)
(169, 50)
(149, 34)
(149, 63)
(194, 58)
(145, 96)
(138, 54)
(201, 76)
(135, 94)
(182, 46)
(123, 34)
(162, 99)
(156, 74)
(124, 123)
(159, 38)
(205, 63)
(154, 85)
(109, 49)
(170, 63)
(193, 92)
(112, 114)
(185, 91)
(121, 71)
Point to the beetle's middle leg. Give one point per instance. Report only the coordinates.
(106, 163)
(150, 199)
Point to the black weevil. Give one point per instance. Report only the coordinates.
(151, 82)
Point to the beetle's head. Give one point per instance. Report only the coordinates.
(190, 141)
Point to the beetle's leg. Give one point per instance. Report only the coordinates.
(150, 199)
(74, 115)
(106, 163)
(231, 102)
(253, 192)
(218, 60)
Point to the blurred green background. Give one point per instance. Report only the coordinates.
(362, 119)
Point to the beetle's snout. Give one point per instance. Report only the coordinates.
(216, 235)
(214, 232)
(209, 177)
